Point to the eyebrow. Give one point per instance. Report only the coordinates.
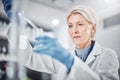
(81, 21)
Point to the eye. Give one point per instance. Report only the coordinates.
(80, 24)
(70, 26)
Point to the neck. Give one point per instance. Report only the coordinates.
(81, 46)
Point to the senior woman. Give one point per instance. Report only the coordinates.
(89, 62)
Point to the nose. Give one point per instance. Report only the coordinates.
(75, 30)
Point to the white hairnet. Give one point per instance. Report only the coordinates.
(87, 12)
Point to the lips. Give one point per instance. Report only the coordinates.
(76, 36)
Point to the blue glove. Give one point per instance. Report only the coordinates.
(51, 47)
(7, 7)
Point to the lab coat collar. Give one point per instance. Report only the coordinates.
(94, 53)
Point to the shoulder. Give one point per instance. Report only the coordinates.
(109, 57)
(109, 52)
(104, 54)
(103, 50)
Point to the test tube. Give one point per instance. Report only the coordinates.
(40, 32)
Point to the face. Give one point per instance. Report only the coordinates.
(80, 30)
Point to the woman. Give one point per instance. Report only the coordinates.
(102, 63)
(89, 62)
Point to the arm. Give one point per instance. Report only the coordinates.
(106, 65)
(77, 69)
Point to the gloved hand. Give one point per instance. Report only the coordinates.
(7, 7)
(51, 47)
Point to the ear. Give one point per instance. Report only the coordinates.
(93, 28)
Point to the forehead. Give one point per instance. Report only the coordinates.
(76, 17)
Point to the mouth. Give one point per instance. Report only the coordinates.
(76, 36)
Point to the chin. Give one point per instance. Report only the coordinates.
(77, 43)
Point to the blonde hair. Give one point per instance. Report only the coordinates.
(87, 12)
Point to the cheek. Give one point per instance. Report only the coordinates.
(70, 32)
(86, 32)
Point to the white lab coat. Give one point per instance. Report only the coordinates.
(101, 64)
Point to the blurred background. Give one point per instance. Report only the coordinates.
(51, 16)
